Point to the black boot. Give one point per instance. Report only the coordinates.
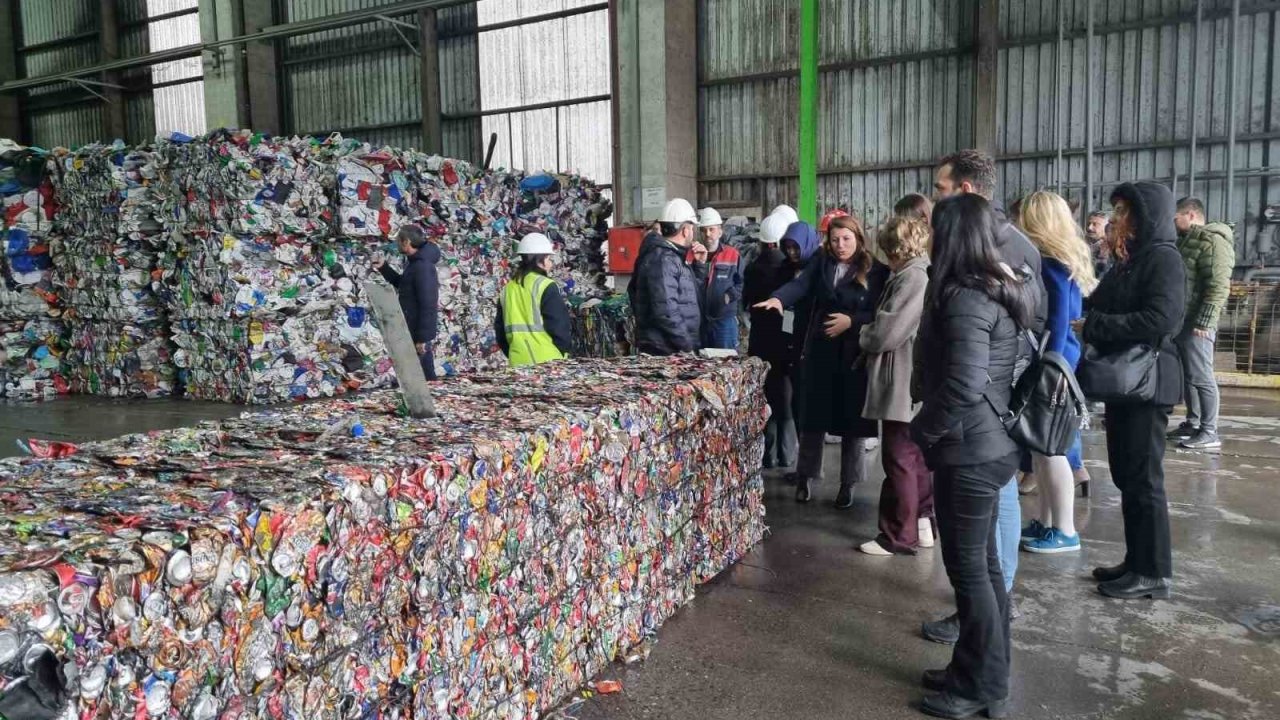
(844, 498)
(1134, 586)
(946, 705)
(1107, 574)
(803, 494)
(945, 631)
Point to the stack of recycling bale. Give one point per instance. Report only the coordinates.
(30, 330)
(482, 564)
(262, 309)
(476, 217)
(106, 251)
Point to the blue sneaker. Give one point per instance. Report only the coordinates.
(1054, 541)
(1034, 531)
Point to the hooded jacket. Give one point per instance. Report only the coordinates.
(1209, 253)
(1021, 254)
(664, 299)
(1142, 300)
(418, 288)
(805, 237)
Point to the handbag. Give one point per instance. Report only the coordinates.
(1124, 376)
(1046, 406)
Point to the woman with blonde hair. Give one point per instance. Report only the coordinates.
(1068, 276)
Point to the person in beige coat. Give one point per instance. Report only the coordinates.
(906, 497)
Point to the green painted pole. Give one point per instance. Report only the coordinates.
(807, 207)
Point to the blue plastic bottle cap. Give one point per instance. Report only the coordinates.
(357, 430)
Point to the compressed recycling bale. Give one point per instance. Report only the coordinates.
(335, 558)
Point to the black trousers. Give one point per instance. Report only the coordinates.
(1135, 450)
(780, 442)
(966, 506)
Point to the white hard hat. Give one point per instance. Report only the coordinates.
(708, 217)
(787, 212)
(678, 211)
(773, 228)
(535, 244)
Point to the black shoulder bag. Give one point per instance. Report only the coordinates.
(1047, 406)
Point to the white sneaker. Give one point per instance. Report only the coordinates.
(926, 532)
(871, 547)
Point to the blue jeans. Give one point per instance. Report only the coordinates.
(721, 334)
(1074, 453)
(1009, 531)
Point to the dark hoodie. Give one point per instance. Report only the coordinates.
(804, 236)
(1142, 300)
(419, 291)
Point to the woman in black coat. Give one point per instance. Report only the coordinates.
(1141, 300)
(834, 385)
(974, 310)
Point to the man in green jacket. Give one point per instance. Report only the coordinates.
(1210, 254)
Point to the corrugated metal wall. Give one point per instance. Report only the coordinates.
(1142, 108)
(361, 80)
(66, 35)
(364, 81)
(896, 89)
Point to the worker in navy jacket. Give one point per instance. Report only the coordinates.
(720, 278)
(419, 290)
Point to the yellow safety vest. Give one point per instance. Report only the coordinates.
(527, 340)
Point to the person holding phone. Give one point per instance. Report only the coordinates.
(834, 282)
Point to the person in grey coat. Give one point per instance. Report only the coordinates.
(664, 293)
(906, 497)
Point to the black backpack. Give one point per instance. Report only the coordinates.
(1047, 406)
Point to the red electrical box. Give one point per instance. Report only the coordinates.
(624, 247)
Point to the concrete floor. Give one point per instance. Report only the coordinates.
(807, 627)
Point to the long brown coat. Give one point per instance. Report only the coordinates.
(888, 343)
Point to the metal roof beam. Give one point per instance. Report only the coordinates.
(305, 27)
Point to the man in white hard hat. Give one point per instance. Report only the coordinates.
(532, 321)
(771, 340)
(663, 289)
(787, 212)
(721, 279)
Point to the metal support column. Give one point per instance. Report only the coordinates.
(987, 41)
(1058, 125)
(113, 115)
(1088, 205)
(1195, 98)
(429, 69)
(10, 103)
(1232, 68)
(262, 68)
(807, 205)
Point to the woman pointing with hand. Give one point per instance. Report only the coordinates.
(833, 380)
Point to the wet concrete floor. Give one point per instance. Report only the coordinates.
(807, 627)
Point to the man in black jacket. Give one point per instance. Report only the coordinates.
(665, 298)
(971, 171)
(419, 290)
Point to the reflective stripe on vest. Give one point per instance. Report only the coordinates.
(527, 340)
